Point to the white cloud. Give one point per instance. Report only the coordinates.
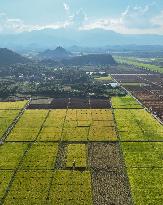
(10, 25)
(158, 20)
(66, 7)
(79, 18)
(137, 17)
(13, 25)
(134, 20)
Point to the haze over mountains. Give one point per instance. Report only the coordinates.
(51, 38)
(59, 56)
(8, 57)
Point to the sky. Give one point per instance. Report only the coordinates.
(122, 16)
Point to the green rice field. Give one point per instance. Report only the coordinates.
(81, 156)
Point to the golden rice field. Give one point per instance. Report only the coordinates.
(81, 156)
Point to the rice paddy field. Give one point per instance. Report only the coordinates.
(74, 156)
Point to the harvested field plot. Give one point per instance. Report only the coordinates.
(60, 103)
(133, 78)
(105, 156)
(100, 104)
(152, 100)
(41, 101)
(71, 187)
(148, 90)
(110, 184)
(70, 103)
(76, 155)
(80, 103)
(110, 188)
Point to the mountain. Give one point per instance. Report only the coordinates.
(58, 54)
(91, 59)
(8, 57)
(50, 38)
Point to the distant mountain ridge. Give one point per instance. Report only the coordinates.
(50, 38)
(8, 57)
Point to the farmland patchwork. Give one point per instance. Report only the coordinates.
(81, 156)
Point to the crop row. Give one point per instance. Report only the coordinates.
(145, 171)
(79, 125)
(92, 133)
(136, 63)
(81, 114)
(146, 185)
(6, 118)
(71, 187)
(93, 125)
(5, 177)
(126, 102)
(142, 159)
(29, 187)
(137, 124)
(10, 155)
(67, 187)
(12, 105)
(76, 155)
(28, 126)
(40, 156)
(143, 154)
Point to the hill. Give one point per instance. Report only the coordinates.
(90, 59)
(58, 54)
(8, 57)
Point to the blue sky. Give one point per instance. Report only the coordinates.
(123, 16)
